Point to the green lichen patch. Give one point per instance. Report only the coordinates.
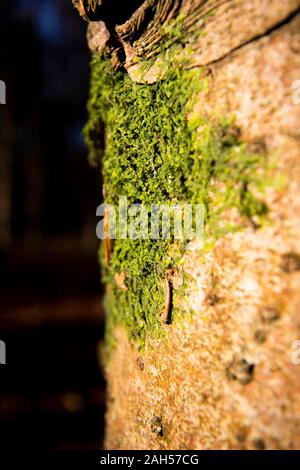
(158, 152)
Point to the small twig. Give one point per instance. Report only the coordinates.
(166, 314)
(107, 241)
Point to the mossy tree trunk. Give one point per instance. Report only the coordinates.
(198, 101)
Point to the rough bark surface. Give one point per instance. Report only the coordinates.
(224, 378)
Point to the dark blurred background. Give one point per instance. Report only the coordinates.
(51, 389)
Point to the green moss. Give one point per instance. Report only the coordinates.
(154, 153)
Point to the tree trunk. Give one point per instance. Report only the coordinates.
(202, 351)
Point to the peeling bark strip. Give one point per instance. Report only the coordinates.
(224, 26)
(223, 377)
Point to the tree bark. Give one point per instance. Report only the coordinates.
(225, 377)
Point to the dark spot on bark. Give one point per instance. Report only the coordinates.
(290, 262)
(259, 444)
(260, 336)
(258, 146)
(269, 314)
(230, 134)
(204, 397)
(212, 298)
(111, 399)
(241, 436)
(140, 363)
(157, 426)
(240, 370)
